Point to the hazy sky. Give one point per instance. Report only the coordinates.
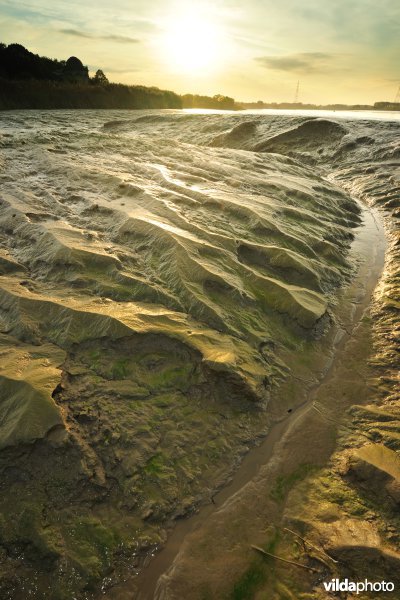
(339, 50)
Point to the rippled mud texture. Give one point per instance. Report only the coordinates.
(158, 293)
(364, 472)
(329, 498)
(362, 486)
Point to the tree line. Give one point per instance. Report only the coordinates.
(28, 80)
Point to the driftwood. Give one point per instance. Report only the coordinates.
(290, 562)
(310, 544)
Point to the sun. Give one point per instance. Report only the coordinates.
(192, 43)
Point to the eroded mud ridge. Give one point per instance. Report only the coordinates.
(167, 286)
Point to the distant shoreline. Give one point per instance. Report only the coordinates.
(49, 95)
(37, 94)
(29, 81)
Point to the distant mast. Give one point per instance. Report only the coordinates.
(296, 96)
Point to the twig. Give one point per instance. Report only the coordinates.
(310, 544)
(291, 562)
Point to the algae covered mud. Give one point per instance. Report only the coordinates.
(170, 288)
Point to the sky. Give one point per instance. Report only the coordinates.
(336, 50)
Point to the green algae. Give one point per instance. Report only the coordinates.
(284, 483)
(90, 545)
(257, 573)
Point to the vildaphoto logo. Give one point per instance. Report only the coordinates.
(345, 585)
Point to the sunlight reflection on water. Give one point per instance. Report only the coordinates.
(370, 115)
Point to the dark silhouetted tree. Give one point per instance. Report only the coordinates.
(16, 62)
(75, 71)
(100, 78)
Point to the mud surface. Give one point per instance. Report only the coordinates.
(171, 286)
(267, 463)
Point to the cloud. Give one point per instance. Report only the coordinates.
(121, 39)
(304, 62)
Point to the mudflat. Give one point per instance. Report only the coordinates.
(172, 286)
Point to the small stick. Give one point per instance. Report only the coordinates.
(310, 544)
(291, 562)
